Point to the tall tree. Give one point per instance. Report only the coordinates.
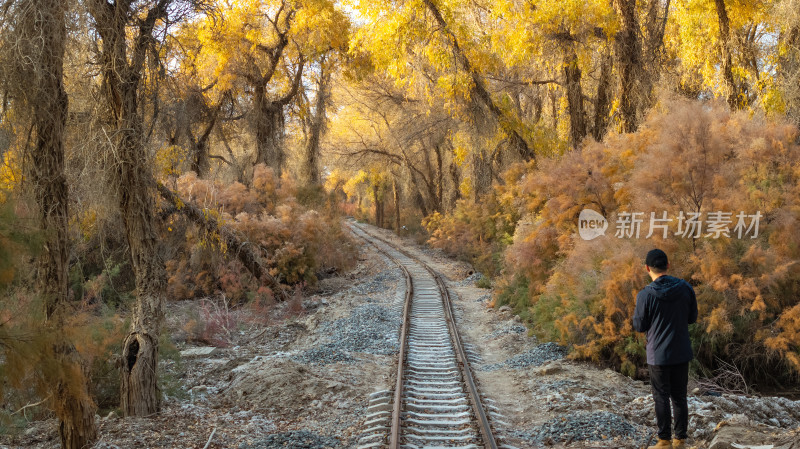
(629, 55)
(39, 39)
(725, 54)
(740, 68)
(434, 50)
(260, 48)
(122, 59)
(571, 43)
(478, 88)
(316, 122)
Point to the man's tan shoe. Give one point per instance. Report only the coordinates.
(678, 444)
(661, 444)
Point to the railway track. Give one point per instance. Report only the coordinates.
(435, 402)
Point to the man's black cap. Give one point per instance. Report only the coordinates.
(656, 259)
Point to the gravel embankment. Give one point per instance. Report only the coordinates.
(370, 328)
(584, 426)
(295, 439)
(506, 330)
(537, 356)
(470, 280)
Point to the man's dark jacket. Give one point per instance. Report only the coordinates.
(664, 310)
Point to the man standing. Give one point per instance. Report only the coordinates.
(664, 310)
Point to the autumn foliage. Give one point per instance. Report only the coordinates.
(688, 157)
(298, 243)
(480, 232)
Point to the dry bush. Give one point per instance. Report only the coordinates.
(692, 157)
(297, 244)
(27, 342)
(218, 319)
(479, 232)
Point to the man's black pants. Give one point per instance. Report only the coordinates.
(669, 382)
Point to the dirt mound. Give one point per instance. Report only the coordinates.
(286, 387)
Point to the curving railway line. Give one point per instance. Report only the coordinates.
(435, 402)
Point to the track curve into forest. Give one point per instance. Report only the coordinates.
(435, 402)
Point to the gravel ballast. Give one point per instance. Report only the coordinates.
(370, 328)
(537, 356)
(581, 426)
(505, 330)
(296, 439)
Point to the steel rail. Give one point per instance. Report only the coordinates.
(472, 390)
(394, 435)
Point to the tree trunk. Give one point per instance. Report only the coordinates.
(602, 105)
(396, 198)
(629, 57)
(419, 201)
(199, 146)
(655, 27)
(481, 174)
(439, 179)
(382, 207)
(788, 72)
(377, 195)
(538, 106)
(455, 178)
(200, 161)
(269, 121)
(140, 395)
(432, 177)
(726, 62)
(653, 49)
(42, 33)
(49, 106)
(269, 117)
(317, 127)
(122, 73)
(577, 116)
(76, 411)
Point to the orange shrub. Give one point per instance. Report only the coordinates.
(687, 157)
(295, 243)
(479, 232)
